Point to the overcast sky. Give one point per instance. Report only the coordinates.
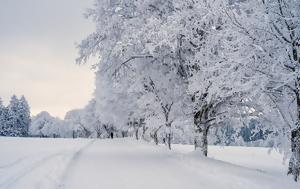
(38, 52)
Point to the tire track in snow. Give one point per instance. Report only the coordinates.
(14, 163)
(73, 161)
(11, 181)
(35, 165)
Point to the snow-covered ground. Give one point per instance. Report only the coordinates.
(125, 163)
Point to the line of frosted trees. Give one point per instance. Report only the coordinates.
(85, 123)
(186, 66)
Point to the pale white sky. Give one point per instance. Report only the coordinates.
(38, 52)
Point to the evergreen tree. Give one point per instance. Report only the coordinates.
(23, 116)
(3, 118)
(15, 119)
(12, 123)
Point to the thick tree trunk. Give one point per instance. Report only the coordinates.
(294, 164)
(205, 142)
(201, 140)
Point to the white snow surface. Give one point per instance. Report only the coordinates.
(32, 163)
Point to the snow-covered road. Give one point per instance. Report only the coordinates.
(129, 164)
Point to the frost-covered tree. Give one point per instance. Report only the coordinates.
(18, 119)
(3, 119)
(13, 122)
(285, 25)
(92, 120)
(75, 120)
(126, 56)
(274, 28)
(204, 44)
(24, 115)
(45, 125)
(113, 19)
(15, 119)
(164, 92)
(166, 47)
(115, 104)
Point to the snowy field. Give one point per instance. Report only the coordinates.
(129, 164)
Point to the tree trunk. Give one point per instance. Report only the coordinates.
(205, 142)
(168, 136)
(73, 134)
(155, 137)
(144, 132)
(294, 164)
(201, 141)
(137, 134)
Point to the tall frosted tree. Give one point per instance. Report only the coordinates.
(170, 46)
(18, 117)
(12, 125)
(44, 125)
(24, 116)
(273, 28)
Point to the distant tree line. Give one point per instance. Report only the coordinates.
(83, 123)
(15, 118)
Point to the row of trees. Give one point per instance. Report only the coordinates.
(188, 66)
(85, 123)
(79, 123)
(15, 118)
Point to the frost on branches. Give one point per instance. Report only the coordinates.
(161, 58)
(173, 70)
(274, 28)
